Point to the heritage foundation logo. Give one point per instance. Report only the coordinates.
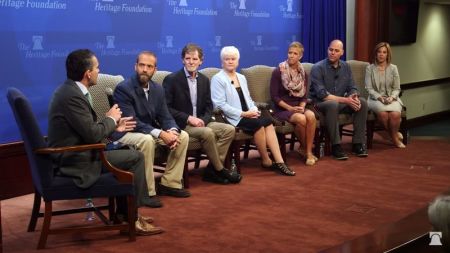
(242, 4)
(37, 42)
(218, 40)
(289, 5)
(110, 41)
(169, 41)
(435, 238)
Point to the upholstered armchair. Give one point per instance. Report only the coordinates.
(51, 187)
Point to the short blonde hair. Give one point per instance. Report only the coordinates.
(388, 49)
(298, 45)
(229, 50)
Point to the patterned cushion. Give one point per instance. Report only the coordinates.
(98, 93)
(258, 79)
(209, 72)
(158, 76)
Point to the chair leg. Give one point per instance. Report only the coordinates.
(317, 142)
(46, 225)
(186, 174)
(111, 208)
(292, 142)
(237, 155)
(35, 212)
(370, 126)
(404, 130)
(131, 218)
(198, 158)
(246, 149)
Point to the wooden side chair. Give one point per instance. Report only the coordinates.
(51, 187)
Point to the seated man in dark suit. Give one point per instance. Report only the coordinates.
(142, 99)
(334, 91)
(188, 96)
(72, 121)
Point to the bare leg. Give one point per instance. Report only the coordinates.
(383, 118)
(310, 131)
(394, 125)
(260, 141)
(299, 122)
(272, 143)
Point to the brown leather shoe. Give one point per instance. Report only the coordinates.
(147, 219)
(143, 228)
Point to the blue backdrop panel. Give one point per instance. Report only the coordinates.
(37, 35)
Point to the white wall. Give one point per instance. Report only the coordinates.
(427, 59)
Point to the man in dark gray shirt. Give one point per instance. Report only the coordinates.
(334, 91)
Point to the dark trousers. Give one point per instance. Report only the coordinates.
(132, 161)
(331, 109)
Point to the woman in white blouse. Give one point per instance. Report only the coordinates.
(229, 93)
(383, 84)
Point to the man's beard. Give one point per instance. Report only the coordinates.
(143, 78)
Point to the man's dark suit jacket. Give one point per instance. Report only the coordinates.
(149, 114)
(72, 121)
(179, 99)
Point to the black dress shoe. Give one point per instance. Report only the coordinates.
(359, 150)
(152, 202)
(231, 176)
(174, 192)
(210, 175)
(338, 153)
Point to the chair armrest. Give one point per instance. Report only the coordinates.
(219, 117)
(121, 175)
(44, 151)
(263, 105)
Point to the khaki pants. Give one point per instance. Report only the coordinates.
(216, 139)
(147, 144)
